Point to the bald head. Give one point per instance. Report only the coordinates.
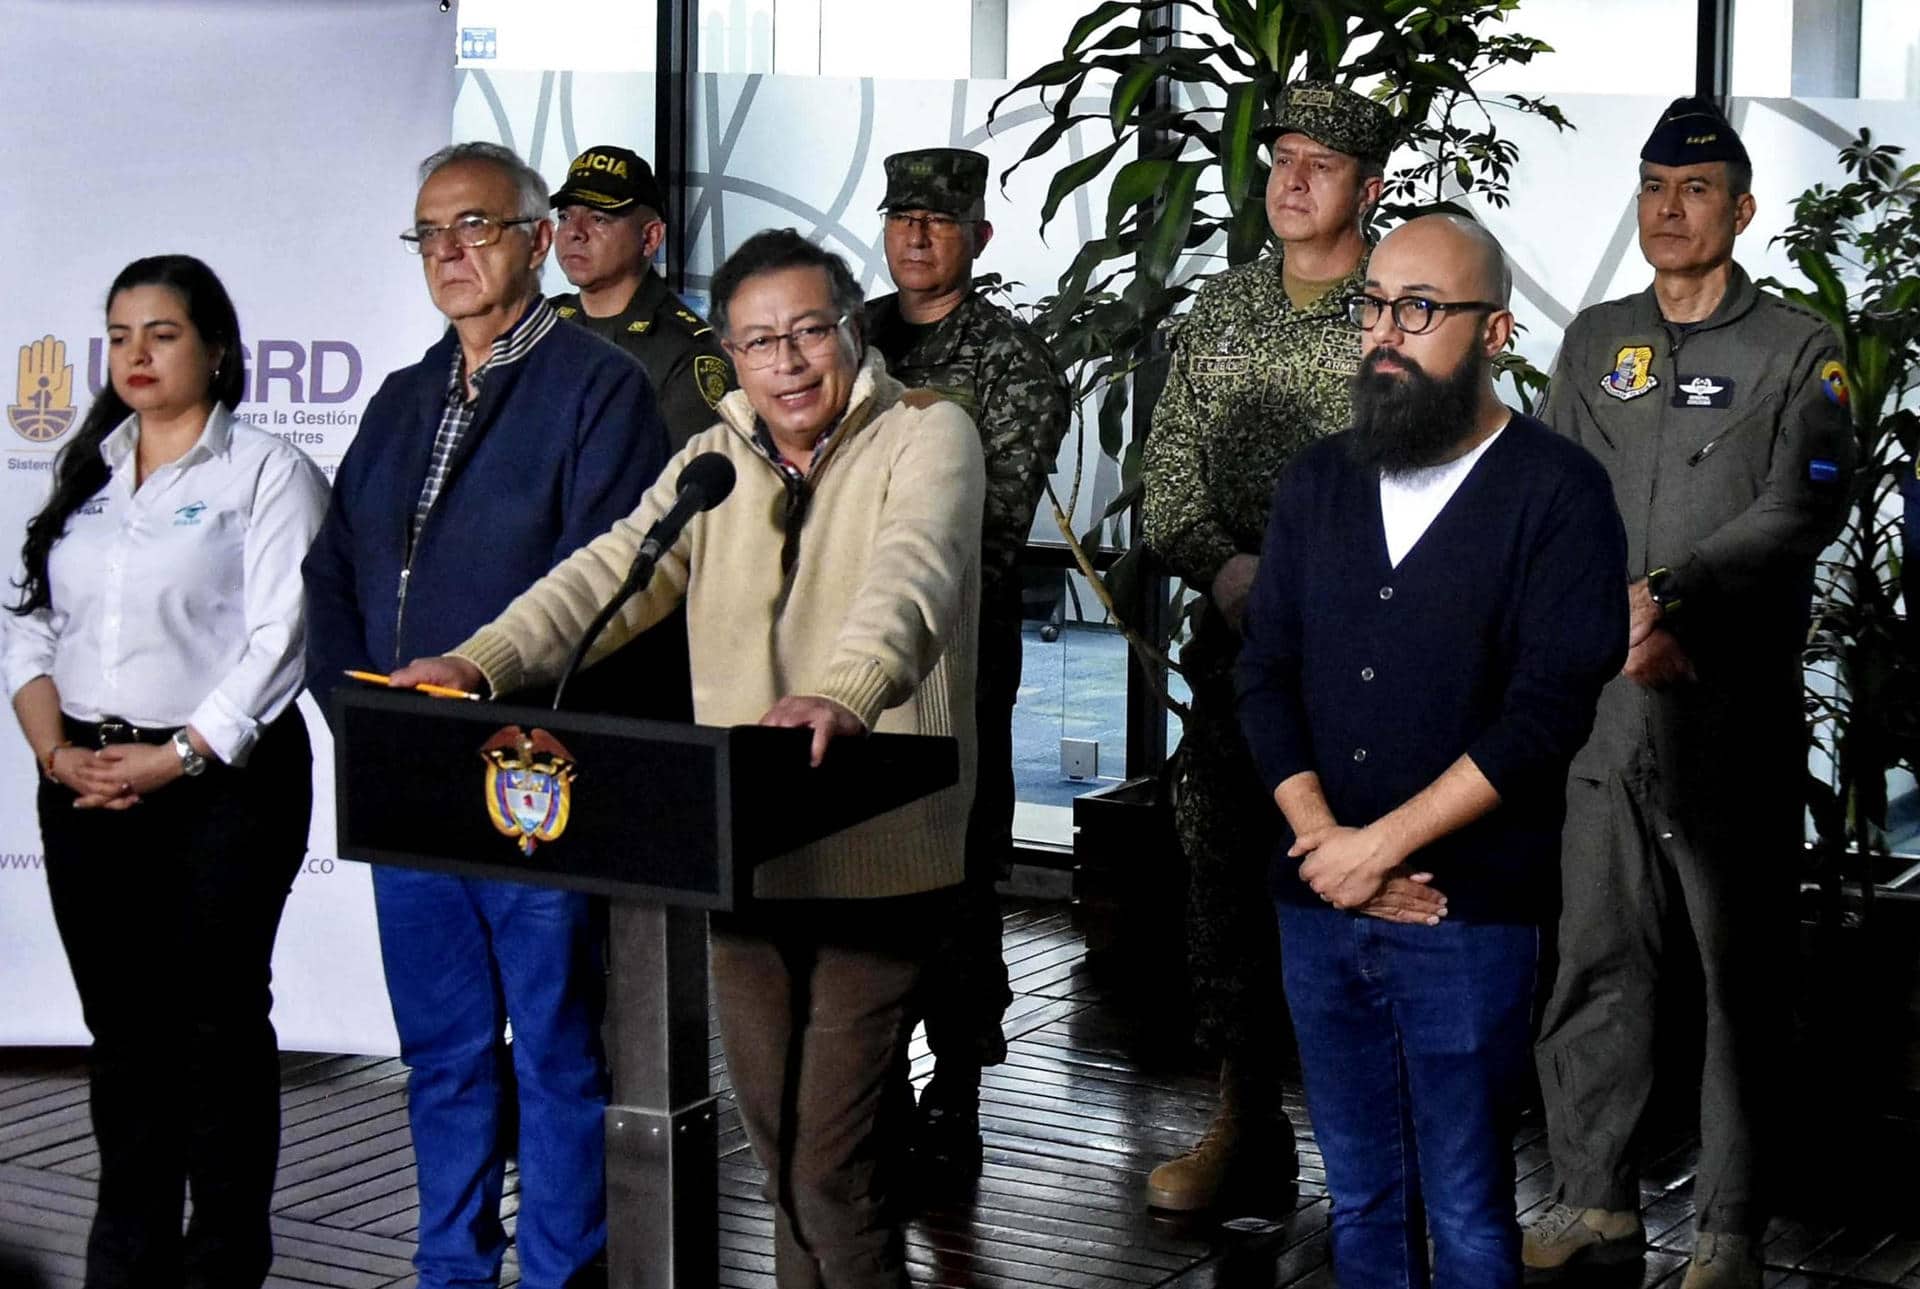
(1455, 256)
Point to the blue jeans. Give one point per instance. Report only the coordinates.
(1414, 1041)
(462, 957)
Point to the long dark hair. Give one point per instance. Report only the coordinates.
(80, 471)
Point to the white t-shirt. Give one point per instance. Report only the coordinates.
(1410, 502)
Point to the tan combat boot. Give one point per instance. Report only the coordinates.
(1723, 1261)
(1567, 1237)
(1242, 1134)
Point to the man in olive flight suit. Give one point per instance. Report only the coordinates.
(607, 229)
(1720, 411)
(1260, 368)
(939, 333)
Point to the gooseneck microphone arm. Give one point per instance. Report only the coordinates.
(704, 483)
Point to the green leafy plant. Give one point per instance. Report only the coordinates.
(1858, 246)
(1187, 190)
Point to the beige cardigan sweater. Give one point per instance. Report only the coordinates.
(878, 614)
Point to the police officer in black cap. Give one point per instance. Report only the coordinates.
(607, 229)
(1720, 411)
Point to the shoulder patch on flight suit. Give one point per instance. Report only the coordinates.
(641, 327)
(693, 320)
(710, 376)
(1833, 383)
(1632, 373)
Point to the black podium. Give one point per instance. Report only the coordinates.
(668, 820)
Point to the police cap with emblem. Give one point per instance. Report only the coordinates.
(1334, 117)
(610, 179)
(1692, 132)
(952, 181)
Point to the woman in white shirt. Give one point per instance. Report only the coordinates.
(153, 660)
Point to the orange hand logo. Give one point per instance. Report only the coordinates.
(43, 406)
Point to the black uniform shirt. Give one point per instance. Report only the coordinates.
(682, 355)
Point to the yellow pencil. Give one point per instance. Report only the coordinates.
(433, 691)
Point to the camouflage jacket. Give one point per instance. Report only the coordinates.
(683, 358)
(1252, 380)
(993, 365)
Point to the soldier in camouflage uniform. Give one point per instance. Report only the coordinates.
(605, 237)
(939, 333)
(1261, 365)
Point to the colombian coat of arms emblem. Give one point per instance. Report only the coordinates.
(529, 785)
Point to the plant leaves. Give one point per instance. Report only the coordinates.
(1237, 149)
(1095, 20)
(1075, 174)
(1133, 87)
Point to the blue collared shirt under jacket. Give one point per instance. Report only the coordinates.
(1492, 637)
(563, 442)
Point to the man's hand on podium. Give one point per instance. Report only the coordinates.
(445, 671)
(827, 719)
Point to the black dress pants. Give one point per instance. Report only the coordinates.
(168, 912)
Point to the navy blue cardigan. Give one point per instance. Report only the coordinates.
(1493, 638)
(563, 443)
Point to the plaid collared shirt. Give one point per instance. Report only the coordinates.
(457, 418)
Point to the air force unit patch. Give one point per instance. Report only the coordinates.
(1632, 373)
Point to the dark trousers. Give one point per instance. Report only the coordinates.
(1414, 1043)
(813, 1001)
(168, 912)
(463, 957)
(1227, 825)
(966, 990)
(1632, 873)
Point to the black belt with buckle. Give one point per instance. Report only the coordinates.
(111, 731)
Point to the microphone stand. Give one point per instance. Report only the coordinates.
(637, 578)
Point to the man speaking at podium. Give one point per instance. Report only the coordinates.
(836, 589)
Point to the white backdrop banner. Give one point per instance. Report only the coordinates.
(277, 142)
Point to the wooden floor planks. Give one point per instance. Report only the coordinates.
(1086, 1104)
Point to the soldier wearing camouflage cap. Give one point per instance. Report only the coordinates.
(1260, 368)
(938, 333)
(1720, 412)
(607, 229)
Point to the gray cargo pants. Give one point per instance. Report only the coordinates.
(1626, 862)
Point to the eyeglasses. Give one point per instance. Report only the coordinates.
(763, 351)
(932, 225)
(468, 230)
(1412, 314)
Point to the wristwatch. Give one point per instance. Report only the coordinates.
(1665, 594)
(191, 762)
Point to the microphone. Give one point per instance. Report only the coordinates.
(704, 483)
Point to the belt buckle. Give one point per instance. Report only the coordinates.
(114, 730)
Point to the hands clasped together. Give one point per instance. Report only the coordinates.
(1353, 868)
(115, 777)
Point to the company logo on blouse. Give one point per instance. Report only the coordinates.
(529, 785)
(189, 515)
(42, 407)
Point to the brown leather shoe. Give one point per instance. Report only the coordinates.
(1566, 1238)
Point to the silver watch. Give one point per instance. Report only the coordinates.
(191, 762)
